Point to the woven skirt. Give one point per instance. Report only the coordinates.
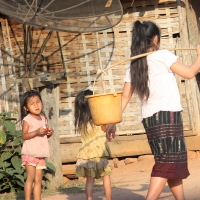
(165, 135)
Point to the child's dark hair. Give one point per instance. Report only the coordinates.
(142, 40)
(82, 112)
(23, 102)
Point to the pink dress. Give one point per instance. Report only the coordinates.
(38, 146)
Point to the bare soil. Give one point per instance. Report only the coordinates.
(130, 182)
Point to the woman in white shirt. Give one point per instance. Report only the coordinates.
(152, 78)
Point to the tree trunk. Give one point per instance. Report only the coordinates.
(50, 97)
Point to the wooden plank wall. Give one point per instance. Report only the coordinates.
(85, 53)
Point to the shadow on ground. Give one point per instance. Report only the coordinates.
(122, 192)
(118, 193)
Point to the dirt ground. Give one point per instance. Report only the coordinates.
(130, 182)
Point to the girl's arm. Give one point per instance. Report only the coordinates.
(185, 71)
(28, 136)
(126, 96)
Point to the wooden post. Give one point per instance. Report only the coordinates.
(193, 37)
(195, 7)
(189, 38)
(50, 97)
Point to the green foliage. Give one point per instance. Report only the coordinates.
(51, 167)
(12, 174)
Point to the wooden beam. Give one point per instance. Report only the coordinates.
(123, 148)
(68, 169)
(36, 82)
(77, 139)
(193, 143)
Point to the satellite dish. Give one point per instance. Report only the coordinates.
(65, 15)
(76, 16)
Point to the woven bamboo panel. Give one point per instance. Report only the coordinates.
(9, 88)
(165, 14)
(85, 53)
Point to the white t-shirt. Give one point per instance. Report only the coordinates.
(164, 93)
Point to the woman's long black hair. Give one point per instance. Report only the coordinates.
(23, 102)
(82, 112)
(142, 41)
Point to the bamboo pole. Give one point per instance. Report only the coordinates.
(99, 59)
(139, 56)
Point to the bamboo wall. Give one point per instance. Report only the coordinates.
(165, 14)
(85, 53)
(9, 96)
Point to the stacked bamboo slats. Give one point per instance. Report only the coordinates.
(9, 89)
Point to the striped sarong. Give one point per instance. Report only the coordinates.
(165, 135)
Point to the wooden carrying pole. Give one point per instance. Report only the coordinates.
(98, 115)
(139, 56)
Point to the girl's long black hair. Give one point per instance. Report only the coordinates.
(82, 112)
(142, 41)
(23, 102)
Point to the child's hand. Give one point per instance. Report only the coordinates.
(110, 131)
(45, 131)
(41, 130)
(103, 128)
(49, 131)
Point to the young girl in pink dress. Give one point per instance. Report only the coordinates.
(35, 147)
